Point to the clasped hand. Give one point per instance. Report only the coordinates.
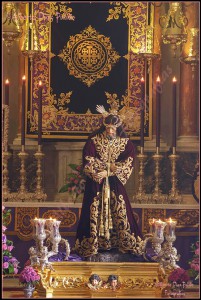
(100, 175)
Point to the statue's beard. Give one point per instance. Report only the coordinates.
(111, 137)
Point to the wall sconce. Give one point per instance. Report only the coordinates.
(147, 51)
(31, 46)
(193, 54)
(12, 24)
(174, 26)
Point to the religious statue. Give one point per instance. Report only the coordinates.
(107, 221)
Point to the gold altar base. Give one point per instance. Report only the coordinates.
(70, 279)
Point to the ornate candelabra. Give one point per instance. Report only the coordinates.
(168, 254)
(165, 253)
(6, 154)
(39, 194)
(141, 197)
(157, 196)
(174, 195)
(22, 194)
(46, 230)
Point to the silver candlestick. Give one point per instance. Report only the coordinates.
(157, 196)
(22, 194)
(169, 253)
(39, 194)
(141, 197)
(174, 195)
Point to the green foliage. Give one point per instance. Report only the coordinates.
(75, 181)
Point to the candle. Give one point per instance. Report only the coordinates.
(174, 115)
(170, 228)
(6, 92)
(142, 113)
(23, 112)
(152, 225)
(158, 108)
(159, 228)
(40, 113)
(160, 225)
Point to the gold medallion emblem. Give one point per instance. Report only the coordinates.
(89, 56)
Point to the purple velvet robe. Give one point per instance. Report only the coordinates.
(124, 234)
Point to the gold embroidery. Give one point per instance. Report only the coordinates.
(89, 245)
(124, 169)
(120, 237)
(120, 8)
(89, 56)
(102, 145)
(93, 166)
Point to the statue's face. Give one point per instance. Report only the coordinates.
(113, 283)
(94, 282)
(111, 132)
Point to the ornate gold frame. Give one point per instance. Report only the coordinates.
(131, 100)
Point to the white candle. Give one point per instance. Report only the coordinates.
(170, 228)
(152, 225)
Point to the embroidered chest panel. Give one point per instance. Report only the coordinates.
(109, 150)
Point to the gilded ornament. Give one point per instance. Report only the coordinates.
(89, 56)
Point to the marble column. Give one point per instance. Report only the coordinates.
(188, 100)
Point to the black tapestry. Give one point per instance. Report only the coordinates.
(86, 60)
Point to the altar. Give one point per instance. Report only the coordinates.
(71, 280)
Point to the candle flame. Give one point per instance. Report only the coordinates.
(142, 79)
(24, 77)
(170, 220)
(158, 79)
(40, 83)
(174, 79)
(36, 218)
(7, 81)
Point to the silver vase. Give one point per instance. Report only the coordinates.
(28, 291)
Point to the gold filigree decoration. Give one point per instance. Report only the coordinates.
(121, 8)
(140, 283)
(186, 218)
(51, 116)
(67, 217)
(23, 226)
(137, 28)
(89, 56)
(60, 11)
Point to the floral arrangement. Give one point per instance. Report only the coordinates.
(195, 261)
(75, 181)
(10, 263)
(29, 277)
(179, 276)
